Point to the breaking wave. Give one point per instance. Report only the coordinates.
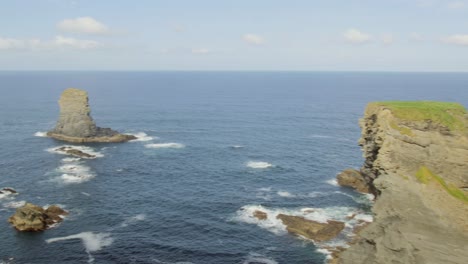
(351, 216)
(74, 173)
(142, 136)
(91, 241)
(40, 134)
(258, 164)
(165, 145)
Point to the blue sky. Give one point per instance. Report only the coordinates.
(302, 35)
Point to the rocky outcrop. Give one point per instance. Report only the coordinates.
(75, 152)
(416, 159)
(313, 230)
(260, 215)
(75, 123)
(354, 179)
(31, 217)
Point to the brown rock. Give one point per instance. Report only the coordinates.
(31, 217)
(354, 179)
(311, 229)
(260, 215)
(76, 152)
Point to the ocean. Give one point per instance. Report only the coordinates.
(212, 148)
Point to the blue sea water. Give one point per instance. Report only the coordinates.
(191, 202)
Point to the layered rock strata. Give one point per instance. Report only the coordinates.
(416, 161)
(75, 123)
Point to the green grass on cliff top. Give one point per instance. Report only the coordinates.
(425, 176)
(450, 115)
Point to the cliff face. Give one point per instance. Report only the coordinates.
(75, 123)
(416, 160)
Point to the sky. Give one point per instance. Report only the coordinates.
(238, 35)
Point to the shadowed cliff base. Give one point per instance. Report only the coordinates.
(416, 158)
(76, 125)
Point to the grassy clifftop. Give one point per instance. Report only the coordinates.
(450, 115)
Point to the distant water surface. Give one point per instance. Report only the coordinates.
(214, 147)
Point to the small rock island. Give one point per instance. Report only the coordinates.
(76, 125)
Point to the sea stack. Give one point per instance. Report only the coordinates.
(75, 123)
(416, 160)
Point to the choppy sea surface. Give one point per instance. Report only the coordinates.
(213, 147)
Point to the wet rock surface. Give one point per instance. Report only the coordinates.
(313, 230)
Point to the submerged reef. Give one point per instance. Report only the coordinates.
(416, 163)
(76, 125)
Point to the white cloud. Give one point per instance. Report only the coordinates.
(387, 38)
(458, 39)
(356, 36)
(9, 43)
(253, 39)
(83, 44)
(456, 5)
(59, 42)
(200, 51)
(85, 25)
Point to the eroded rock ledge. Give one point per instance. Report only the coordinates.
(76, 125)
(416, 162)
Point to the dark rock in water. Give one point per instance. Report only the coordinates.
(75, 123)
(260, 215)
(354, 179)
(76, 152)
(311, 229)
(31, 217)
(8, 190)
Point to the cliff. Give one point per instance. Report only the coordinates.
(416, 162)
(75, 123)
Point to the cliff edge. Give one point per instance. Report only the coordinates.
(416, 162)
(75, 123)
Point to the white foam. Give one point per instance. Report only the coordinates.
(315, 194)
(370, 196)
(165, 145)
(255, 258)
(326, 252)
(258, 164)
(142, 136)
(40, 134)
(14, 204)
(364, 217)
(133, 219)
(274, 225)
(75, 173)
(7, 193)
(285, 194)
(91, 241)
(85, 194)
(84, 149)
(237, 146)
(265, 189)
(65, 160)
(333, 182)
